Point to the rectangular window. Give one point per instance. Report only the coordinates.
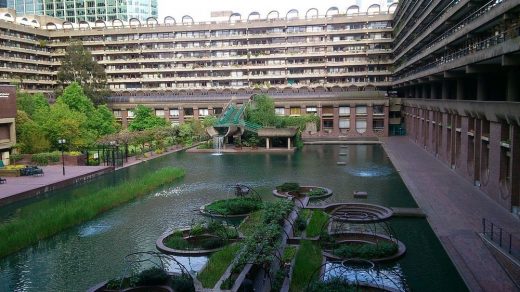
(159, 113)
(117, 113)
(328, 124)
(217, 110)
(203, 112)
(378, 109)
(361, 110)
(295, 111)
(188, 111)
(344, 110)
(378, 124)
(361, 126)
(311, 110)
(280, 111)
(344, 123)
(130, 114)
(174, 112)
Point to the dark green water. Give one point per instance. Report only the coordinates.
(92, 252)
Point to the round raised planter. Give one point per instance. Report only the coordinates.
(303, 193)
(182, 252)
(205, 212)
(359, 212)
(356, 238)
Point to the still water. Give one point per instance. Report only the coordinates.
(92, 252)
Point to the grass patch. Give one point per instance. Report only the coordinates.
(43, 223)
(301, 222)
(317, 222)
(211, 235)
(289, 253)
(308, 260)
(367, 250)
(234, 206)
(250, 224)
(217, 265)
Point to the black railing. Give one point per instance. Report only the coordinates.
(507, 241)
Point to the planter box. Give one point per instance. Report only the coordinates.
(9, 172)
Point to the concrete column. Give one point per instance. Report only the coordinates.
(195, 113)
(267, 146)
(181, 115)
(515, 165)
(482, 87)
(335, 129)
(417, 90)
(424, 91)
(167, 114)
(445, 89)
(124, 118)
(289, 143)
(513, 86)
(370, 120)
(460, 89)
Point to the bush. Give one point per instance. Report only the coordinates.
(74, 153)
(183, 283)
(367, 250)
(54, 156)
(16, 157)
(332, 285)
(289, 187)
(45, 157)
(152, 277)
(316, 192)
(275, 212)
(234, 206)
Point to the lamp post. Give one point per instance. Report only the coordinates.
(62, 144)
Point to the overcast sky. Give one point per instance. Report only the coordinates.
(200, 9)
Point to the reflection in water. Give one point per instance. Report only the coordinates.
(389, 277)
(368, 170)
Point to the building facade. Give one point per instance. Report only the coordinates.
(457, 65)
(90, 10)
(7, 121)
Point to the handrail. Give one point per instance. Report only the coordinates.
(505, 240)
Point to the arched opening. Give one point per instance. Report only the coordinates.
(354, 9)
(118, 23)
(100, 24)
(67, 25)
(134, 22)
(254, 13)
(187, 18)
(292, 14)
(151, 21)
(374, 9)
(234, 17)
(24, 19)
(311, 13)
(271, 13)
(35, 23)
(51, 26)
(392, 7)
(332, 11)
(83, 25)
(168, 20)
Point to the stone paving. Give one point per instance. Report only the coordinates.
(53, 174)
(455, 209)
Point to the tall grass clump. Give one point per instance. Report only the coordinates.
(32, 227)
(308, 260)
(217, 265)
(317, 223)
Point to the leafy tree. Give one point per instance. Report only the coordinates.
(144, 118)
(30, 103)
(31, 137)
(261, 111)
(78, 66)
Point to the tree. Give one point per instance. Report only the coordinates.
(30, 103)
(144, 118)
(261, 111)
(31, 137)
(78, 66)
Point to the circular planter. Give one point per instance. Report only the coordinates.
(356, 238)
(359, 212)
(302, 193)
(205, 212)
(182, 252)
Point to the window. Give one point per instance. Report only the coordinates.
(344, 123)
(280, 111)
(311, 110)
(344, 110)
(361, 110)
(361, 126)
(159, 113)
(188, 111)
(378, 124)
(117, 113)
(328, 124)
(378, 109)
(203, 112)
(295, 111)
(217, 110)
(174, 112)
(130, 114)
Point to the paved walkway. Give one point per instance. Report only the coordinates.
(455, 209)
(53, 175)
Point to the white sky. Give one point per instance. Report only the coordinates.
(200, 9)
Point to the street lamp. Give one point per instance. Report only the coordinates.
(62, 144)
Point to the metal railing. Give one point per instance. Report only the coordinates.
(508, 242)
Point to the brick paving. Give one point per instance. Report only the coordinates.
(53, 176)
(455, 209)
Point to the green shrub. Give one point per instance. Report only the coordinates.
(152, 277)
(289, 187)
(40, 158)
(316, 192)
(217, 265)
(332, 285)
(54, 156)
(317, 223)
(16, 157)
(74, 153)
(366, 250)
(275, 212)
(183, 283)
(234, 206)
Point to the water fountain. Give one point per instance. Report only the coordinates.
(218, 144)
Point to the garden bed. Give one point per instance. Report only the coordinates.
(288, 190)
(198, 240)
(232, 208)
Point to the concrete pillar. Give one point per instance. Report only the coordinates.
(289, 143)
(195, 113)
(167, 114)
(460, 89)
(267, 142)
(513, 86)
(445, 89)
(124, 118)
(515, 166)
(335, 129)
(482, 87)
(425, 91)
(181, 115)
(417, 90)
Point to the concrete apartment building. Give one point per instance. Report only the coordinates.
(7, 121)
(451, 65)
